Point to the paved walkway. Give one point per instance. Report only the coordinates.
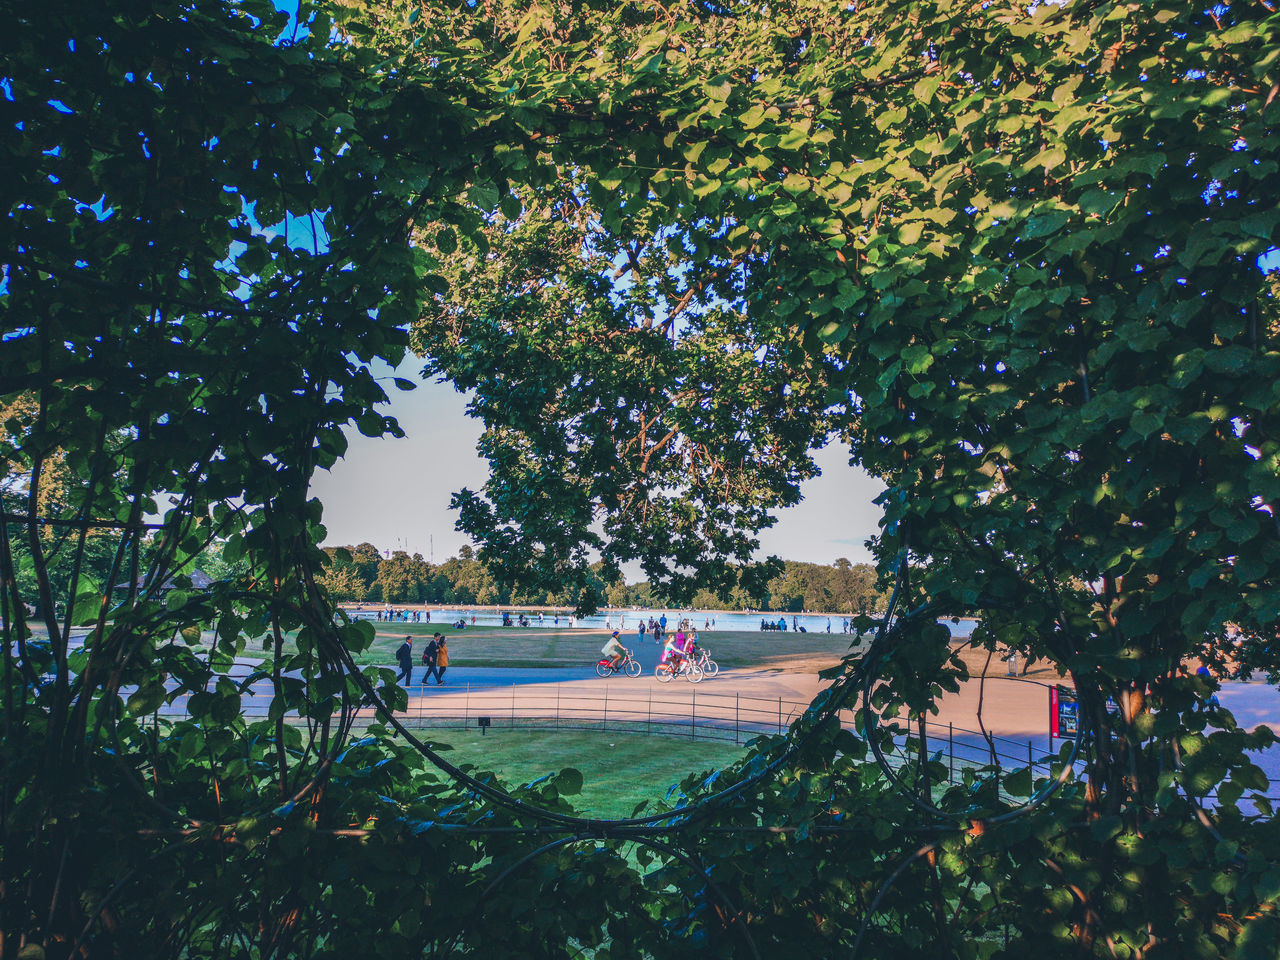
(1014, 710)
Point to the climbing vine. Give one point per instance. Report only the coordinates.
(1011, 257)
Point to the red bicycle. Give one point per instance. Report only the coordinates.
(606, 667)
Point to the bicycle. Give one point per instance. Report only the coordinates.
(627, 665)
(703, 659)
(666, 672)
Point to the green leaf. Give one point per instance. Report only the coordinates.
(86, 608)
(510, 206)
(705, 187)
(693, 151)
(926, 87)
(1044, 224)
(484, 195)
(568, 782)
(834, 331)
(796, 183)
(370, 424)
(1018, 784)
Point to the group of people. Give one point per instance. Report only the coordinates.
(655, 628)
(680, 645)
(435, 657)
(391, 614)
(781, 624)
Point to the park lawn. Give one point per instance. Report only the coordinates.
(619, 770)
(785, 651)
(493, 646)
(549, 647)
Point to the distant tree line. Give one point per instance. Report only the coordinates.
(363, 574)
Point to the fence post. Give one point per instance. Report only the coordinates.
(466, 707)
(604, 724)
(1031, 763)
(951, 747)
(779, 716)
(693, 717)
(649, 724)
(736, 698)
(557, 706)
(513, 706)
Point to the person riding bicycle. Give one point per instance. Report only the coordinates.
(674, 652)
(614, 650)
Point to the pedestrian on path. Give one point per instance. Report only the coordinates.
(430, 654)
(442, 661)
(405, 655)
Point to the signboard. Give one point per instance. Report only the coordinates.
(1064, 712)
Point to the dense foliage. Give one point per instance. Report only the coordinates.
(1008, 255)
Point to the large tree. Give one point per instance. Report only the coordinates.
(1013, 257)
(1008, 255)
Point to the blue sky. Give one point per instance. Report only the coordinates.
(395, 493)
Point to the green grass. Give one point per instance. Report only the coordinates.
(550, 647)
(542, 647)
(619, 770)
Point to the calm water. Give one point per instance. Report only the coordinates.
(628, 620)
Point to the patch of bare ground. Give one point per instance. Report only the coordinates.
(980, 662)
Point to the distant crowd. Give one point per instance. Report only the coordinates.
(391, 614)
(846, 625)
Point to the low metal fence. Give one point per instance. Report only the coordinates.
(680, 710)
(683, 710)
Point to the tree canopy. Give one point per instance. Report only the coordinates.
(1008, 255)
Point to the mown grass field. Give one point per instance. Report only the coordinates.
(619, 770)
(549, 647)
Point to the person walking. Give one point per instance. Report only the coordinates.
(442, 661)
(405, 655)
(429, 655)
